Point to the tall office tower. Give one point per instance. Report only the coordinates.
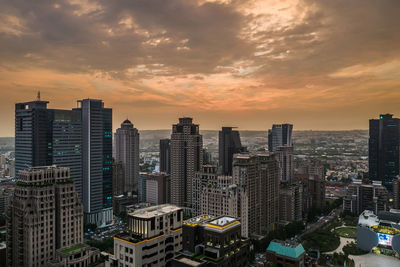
(257, 177)
(118, 178)
(96, 161)
(213, 194)
(186, 160)
(127, 151)
(32, 137)
(154, 237)
(362, 197)
(396, 192)
(285, 157)
(229, 144)
(384, 146)
(44, 218)
(291, 203)
(165, 155)
(279, 135)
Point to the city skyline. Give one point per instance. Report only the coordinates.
(317, 64)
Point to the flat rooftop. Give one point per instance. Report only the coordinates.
(198, 220)
(223, 223)
(154, 211)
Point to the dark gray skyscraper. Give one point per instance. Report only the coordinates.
(80, 139)
(127, 152)
(96, 161)
(165, 155)
(229, 144)
(186, 159)
(384, 145)
(279, 135)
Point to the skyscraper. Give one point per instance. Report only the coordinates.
(279, 135)
(165, 155)
(257, 177)
(186, 160)
(80, 139)
(44, 216)
(96, 161)
(285, 157)
(384, 146)
(229, 144)
(127, 152)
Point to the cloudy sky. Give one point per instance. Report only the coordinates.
(246, 63)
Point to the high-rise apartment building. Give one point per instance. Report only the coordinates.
(186, 160)
(313, 191)
(279, 135)
(165, 155)
(44, 218)
(257, 177)
(362, 197)
(118, 178)
(229, 144)
(384, 149)
(214, 194)
(80, 139)
(286, 159)
(291, 203)
(127, 152)
(153, 239)
(156, 188)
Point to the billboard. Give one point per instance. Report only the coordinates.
(385, 239)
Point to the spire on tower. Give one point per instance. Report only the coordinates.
(38, 96)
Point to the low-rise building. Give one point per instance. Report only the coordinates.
(209, 241)
(153, 239)
(286, 253)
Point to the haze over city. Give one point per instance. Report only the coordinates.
(321, 65)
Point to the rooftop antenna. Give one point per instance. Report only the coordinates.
(38, 96)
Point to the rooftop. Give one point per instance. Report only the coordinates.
(198, 220)
(286, 248)
(154, 211)
(223, 223)
(71, 249)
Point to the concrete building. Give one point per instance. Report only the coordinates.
(44, 216)
(186, 160)
(384, 149)
(118, 178)
(216, 242)
(214, 194)
(286, 253)
(228, 144)
(286, 158)
(165, 155)
(156, 188)
(313, 191)
(279, 135)
(257, 177)
(362, 197)
(127, 152)
(6, 193)
(154, 237)
(291, 203)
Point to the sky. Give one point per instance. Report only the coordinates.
(321, 65)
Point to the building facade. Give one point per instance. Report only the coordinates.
(291, 203)
(286, 159)
(186, 160)
(44, 215)
(228, 144)
(157, 190)
(384, 149)
(257, 177)
(127, 152)
(153, 239)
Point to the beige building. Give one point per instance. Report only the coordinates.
(186, 160)
(154, 237)
(213, 194)
(45, 215)
(257, 176)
